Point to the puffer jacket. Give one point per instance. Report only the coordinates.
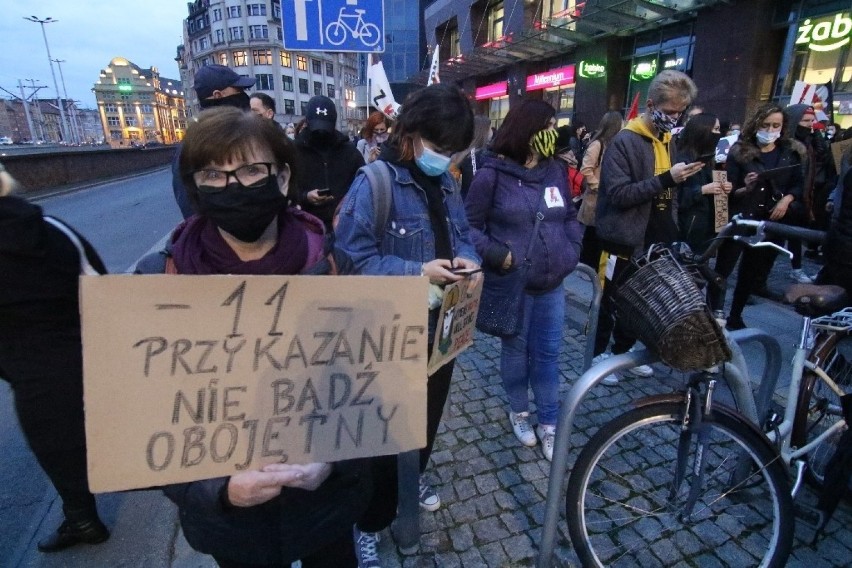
(745, 157)
(501, 207)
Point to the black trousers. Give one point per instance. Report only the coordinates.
(382, 509)
(590, 255)
(338, 554)
(610, 269)
(754, 269)
(46, 376)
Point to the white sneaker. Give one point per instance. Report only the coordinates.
(798, 275)
(609, 380)
(641, 370)
(521, 426)
(547, 434)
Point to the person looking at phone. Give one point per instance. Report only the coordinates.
(763, 145)
(637, 198)
(330, 161)
(696, 196)
(376, 133)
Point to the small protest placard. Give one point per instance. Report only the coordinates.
(837, 151)
(193, 377)
(456, 321)
(720, 202)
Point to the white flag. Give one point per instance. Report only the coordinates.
(803, 93)
(380, 91)
(433, 70)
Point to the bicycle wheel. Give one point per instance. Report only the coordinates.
(370, 35)
(620, 514)
(818, 406)
(335, 33)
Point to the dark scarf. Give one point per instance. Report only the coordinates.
(200, 249)
(431, 185)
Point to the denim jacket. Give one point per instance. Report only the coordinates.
(409, 240)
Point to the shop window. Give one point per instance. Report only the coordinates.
(497, 110)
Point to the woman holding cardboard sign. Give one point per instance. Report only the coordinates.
(237, 168)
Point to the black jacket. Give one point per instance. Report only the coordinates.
(696, 211)
(838, 244)
(746, 157)
(331, 165)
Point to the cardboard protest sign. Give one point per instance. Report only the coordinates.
(456, 322)
(720, 202)
(193, 377)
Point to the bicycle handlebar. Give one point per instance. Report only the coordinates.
(761, 229)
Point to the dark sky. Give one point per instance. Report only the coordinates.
(86, 35)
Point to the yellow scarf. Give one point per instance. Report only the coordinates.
(662, 158)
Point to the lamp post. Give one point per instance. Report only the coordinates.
(73, 125)
(62, 126)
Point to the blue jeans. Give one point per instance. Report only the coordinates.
(531, 359)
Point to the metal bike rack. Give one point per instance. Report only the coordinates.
(594, 311)
(736, 372)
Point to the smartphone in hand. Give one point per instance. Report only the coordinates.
(465, 271)
(325, 192)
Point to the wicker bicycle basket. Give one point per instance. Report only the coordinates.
(663, 307)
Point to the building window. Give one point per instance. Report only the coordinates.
(303, 86)
(329, 69)
(236, 33)
(285, 59)
(223, 59)
(330, 89)
(123, 80)
(129, 121)
(301, 63)
(262, 56)
(240, 58)
(264, 82)
(317, 88)
(287, 83)
(304, 108)
(276, 10)
(110, 107)
(203, 43)
(233, 11)
(220, 36)
(317, 66)
(217, 14)
(256, 9)
(289, 106)
(113, 121)
(147, 109)
(495, 22)
(259, 32)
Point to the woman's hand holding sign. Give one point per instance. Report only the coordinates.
(255, 487)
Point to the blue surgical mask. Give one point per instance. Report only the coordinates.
(765, 137)
(431, 162)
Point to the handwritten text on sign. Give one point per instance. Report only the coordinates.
(192, 377)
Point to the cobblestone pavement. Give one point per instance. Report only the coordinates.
(493, 489)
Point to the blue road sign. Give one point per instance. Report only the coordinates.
(333, 25)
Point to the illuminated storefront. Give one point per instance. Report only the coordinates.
(558, 87)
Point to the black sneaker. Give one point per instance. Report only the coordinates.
(69, 534)
(734, 323)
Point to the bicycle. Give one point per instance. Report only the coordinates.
(683, 463)
(338, 31)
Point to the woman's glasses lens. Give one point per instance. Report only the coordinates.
(249, 176)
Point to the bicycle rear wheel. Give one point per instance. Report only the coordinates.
(620, 514)
(819, 406)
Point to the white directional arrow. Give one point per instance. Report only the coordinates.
(302, 20)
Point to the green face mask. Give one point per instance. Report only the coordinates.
(544, 142)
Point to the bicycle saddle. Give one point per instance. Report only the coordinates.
(814, 300)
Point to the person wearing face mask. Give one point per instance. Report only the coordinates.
(245, 224)
(290, 131)
(375, 134)
(330, 160)
(216, 86)
(425, 233)
(696, 196)
(637, 199)
(520, 181)
(762, 146)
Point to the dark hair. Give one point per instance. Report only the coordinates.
(574, 126)
(373, 121)
(513, 137)
(440, 113)
(754, 122)
(223, 133)
(265, 99)
(611, 123)
(697, 138)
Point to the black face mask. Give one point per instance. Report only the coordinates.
(802, 132)
(243, 213)
(240, 100)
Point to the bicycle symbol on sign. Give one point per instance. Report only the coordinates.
(337, 32)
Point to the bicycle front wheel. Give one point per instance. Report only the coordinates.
(335, 33)
(621, 511)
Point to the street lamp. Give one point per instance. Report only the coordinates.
(73, 125)
(62, 126)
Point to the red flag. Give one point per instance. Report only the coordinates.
(634, 108)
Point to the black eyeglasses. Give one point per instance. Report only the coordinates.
(250, 176)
